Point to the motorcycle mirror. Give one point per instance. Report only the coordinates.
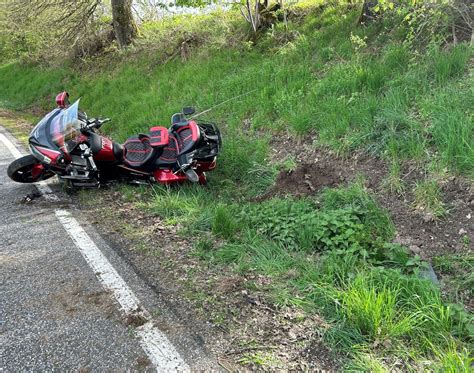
(189, 110)
(62, 100)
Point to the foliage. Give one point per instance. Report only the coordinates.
(457, 271)
(224, 224)
(299, 227)
(376, 220)
(49, 31)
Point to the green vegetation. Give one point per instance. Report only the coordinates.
(459, 272)
(428, 198)
(374, 88)
(333, 256)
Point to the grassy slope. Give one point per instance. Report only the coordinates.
(350, 92)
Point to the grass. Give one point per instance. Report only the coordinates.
(19, 126)
(457, 274)
(393, 183)
(349, 88)
(428, 198)
(379, 309)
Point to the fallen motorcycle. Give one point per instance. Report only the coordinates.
(65, 143)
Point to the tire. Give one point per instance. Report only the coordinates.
(20, 170)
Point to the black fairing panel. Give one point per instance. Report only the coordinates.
(95, 142)
(118, 152)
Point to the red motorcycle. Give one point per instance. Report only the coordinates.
(65, 143)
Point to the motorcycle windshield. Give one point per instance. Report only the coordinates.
(65, 128)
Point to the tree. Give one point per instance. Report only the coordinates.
(368, 13)
(124, 25)
(55, 27)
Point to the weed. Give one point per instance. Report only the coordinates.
(203, 248)
(374, 311)
(449, 64)
(262, 176)
(289, 164)
(428, 198)
(259, 359)
(224, 223)
(457, 275)
(454, 359)
(365, 362)
(298, 226)
(394, 183)
(356, 196)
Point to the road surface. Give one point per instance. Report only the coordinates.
(68, 301)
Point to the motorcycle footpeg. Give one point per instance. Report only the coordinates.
(192, 175)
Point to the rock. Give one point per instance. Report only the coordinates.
(462, 232)
(415, 249)
(427, 218)
(468, 216)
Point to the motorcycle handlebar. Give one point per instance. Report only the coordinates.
(95, 123)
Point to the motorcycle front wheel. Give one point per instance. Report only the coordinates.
(27, 169)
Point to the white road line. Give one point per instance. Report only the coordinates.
(161, 352)
(12, 148)
(42, 186)
(159, 349)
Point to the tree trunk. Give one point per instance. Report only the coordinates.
(124, 25)
(368, 14)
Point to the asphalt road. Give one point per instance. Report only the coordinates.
(55, 313)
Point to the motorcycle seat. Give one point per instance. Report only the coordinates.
(183, 138)
(187, 134)
(159, 137)
(138, 150)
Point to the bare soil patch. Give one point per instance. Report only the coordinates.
(73, 298)
(306, 179)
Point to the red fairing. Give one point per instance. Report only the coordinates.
(206, 166)
(168, 177)
(51, 154)
(62, 100)
(107, 151)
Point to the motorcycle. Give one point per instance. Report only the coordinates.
(66, 143)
